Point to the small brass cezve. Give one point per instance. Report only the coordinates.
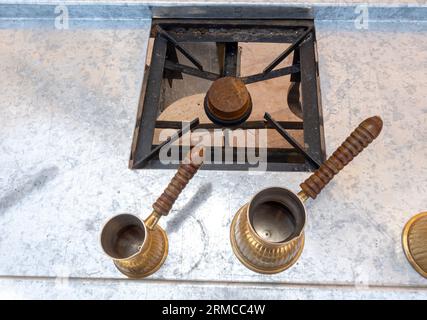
(139, 248)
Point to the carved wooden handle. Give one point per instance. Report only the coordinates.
(186, 171)
(359, 139)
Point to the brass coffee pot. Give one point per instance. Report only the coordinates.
(267, 234)
(139, 248)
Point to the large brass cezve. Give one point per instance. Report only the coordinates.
(267, 234)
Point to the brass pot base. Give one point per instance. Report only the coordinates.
(251, 266)
(144, 274)
(414, 242)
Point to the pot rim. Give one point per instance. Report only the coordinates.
(275, 244)
(142, 247)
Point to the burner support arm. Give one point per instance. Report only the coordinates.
(288, 51)
(313, 162)
(181, 49)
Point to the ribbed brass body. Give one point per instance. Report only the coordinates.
(414, 241)
(257, 254)
(149, 258)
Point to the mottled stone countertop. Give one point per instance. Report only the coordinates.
(68, 104)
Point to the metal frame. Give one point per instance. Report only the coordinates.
(227, 33)
(231, 11)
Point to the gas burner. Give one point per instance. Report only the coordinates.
(228, 102)
(200, 72)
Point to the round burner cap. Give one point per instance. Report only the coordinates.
(228, 102)
(414, 240)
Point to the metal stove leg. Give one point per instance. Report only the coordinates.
(310, 97)
(151, 100)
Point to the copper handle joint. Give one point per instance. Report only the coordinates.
(302, 196)
(151, 221)
(358, 140)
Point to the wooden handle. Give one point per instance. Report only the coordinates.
(186, 171)
(359, 139)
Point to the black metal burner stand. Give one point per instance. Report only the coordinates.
(169, 34)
